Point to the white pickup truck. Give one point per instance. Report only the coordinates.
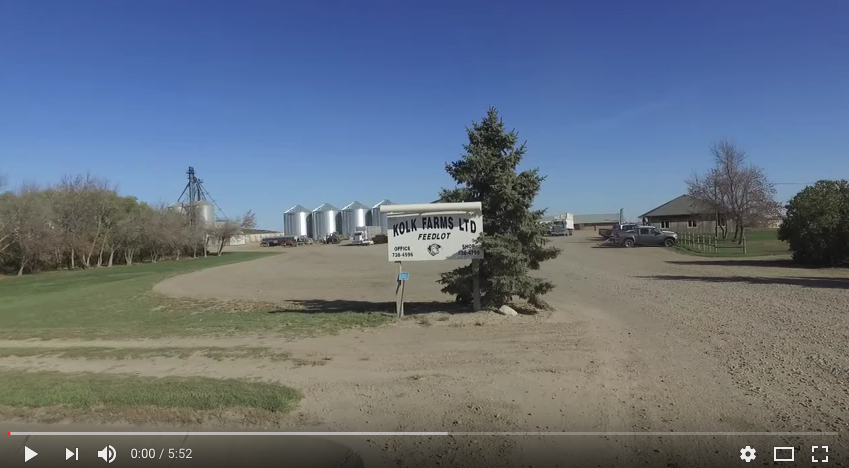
(361, 238)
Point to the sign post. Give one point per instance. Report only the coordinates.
(434, 231)
(403, 276)
(476, 285)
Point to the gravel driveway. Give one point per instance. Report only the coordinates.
(642, 339)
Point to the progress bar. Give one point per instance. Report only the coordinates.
(390, 434)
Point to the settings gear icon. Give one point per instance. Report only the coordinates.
(747, 453)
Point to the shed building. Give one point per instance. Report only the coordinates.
(684, 214)
(596, 221)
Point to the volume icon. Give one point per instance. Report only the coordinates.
(107, 454)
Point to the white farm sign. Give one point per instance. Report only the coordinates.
(436, 236)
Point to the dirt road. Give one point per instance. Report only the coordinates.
(641, 340)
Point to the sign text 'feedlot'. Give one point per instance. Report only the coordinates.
(434, 237)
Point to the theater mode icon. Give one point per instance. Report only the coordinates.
(788, 454)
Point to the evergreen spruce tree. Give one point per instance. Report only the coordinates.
(513, 239)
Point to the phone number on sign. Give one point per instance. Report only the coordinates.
(402, 254)
(173, 453)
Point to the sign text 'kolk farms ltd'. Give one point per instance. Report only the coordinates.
(434, 237)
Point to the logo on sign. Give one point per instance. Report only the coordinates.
(433, 249)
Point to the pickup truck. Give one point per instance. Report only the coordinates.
(609, 233)
(645, 235)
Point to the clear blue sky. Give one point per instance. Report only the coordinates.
(277, 103)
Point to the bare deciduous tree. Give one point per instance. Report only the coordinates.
(229, 228)
(735, 190)
(32, 231)
(84, 222)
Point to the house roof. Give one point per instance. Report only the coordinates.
(597, 218)
(680, 206)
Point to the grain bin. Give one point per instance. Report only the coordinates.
(177, 208)
(205, 213)
(379, 219)
(353, 217)
(324, 220)
(296, 221)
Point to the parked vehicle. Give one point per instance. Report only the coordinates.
(270, 241)
(332, 238)
(609, 233)
(285, 241)
(361, 238)
(562, 227)
(644, 235)
(304, 240)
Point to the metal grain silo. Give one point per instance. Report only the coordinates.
(296, 222)
(353, 216)
(324, 220)
(205, 213)
(379, 219)
(177, 208)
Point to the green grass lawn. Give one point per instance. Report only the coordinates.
(117, 302)
(759, 243)
(129, 397)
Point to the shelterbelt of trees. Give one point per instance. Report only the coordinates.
(82, 222)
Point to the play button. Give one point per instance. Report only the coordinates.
(29, 454)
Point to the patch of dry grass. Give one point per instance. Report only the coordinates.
(215, 353)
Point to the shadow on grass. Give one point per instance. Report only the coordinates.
(342, 306)
(808, 282)
(763, 262)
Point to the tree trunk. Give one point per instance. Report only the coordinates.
(21, 269)
(87, 258)
(111, 257)
(102, 248)
(73, 258)
(220, 247)
(128, 255)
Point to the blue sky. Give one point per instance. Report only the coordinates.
(277, 103)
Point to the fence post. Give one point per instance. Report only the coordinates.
(744, 244)
(715, 245)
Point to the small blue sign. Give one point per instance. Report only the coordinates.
(403, 276)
